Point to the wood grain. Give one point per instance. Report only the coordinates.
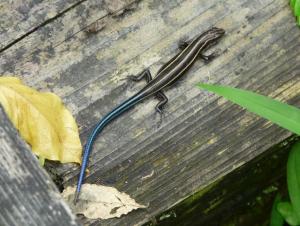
(249, 191)
(202, 137)
(19, 17)
(27, 194)
(50, 35)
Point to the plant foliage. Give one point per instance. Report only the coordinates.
(286, 116)
(295, 5)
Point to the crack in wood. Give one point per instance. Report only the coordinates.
(40, 26)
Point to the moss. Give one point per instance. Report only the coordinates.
(244, 197)
(196, 196)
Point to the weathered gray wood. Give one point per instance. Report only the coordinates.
(27, 194)
(203, 137)
(243, 197)
(21, 17)
(49, 36)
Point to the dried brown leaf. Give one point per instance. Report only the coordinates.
(97, 201)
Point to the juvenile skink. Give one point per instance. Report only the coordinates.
(166, 76)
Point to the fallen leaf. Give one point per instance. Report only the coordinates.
(42, 121)
(97, 201)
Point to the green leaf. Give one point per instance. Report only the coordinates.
(276, 217)
(297, 8)
(293, 178)
(287, 211)
(292, 3)
(280, 113)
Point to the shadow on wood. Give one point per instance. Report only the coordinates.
(27, 194)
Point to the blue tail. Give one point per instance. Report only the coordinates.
(98, 128)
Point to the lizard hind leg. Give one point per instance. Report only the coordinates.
(183, 43)
(159, 107)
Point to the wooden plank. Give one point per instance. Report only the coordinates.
(249, 191)
(21, 17)
(62, 28)
(202, 137)
(27, 194)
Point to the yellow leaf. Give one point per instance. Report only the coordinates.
(42, 121)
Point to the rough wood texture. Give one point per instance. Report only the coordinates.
(202, 137)
(249, 191)
(27, 194)
(21, 17)
(50, 35)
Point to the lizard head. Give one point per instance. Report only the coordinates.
(214, 33)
